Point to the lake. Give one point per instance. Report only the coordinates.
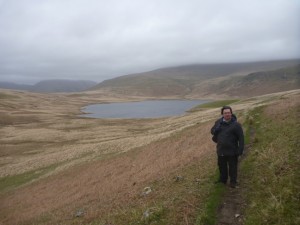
(143, 109)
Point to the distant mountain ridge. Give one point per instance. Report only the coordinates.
(49, 86)
(228, 79)
(14, 86)
(253, 84)
(188, 81)
(63, 85)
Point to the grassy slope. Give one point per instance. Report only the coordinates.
(272, 167)
(270, 173)
(253, 84)
(188, 81)
(271, 170)
(272, 189)
(170, 201)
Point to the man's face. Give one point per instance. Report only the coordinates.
(227, 114)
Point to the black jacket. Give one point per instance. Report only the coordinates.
(229, 137)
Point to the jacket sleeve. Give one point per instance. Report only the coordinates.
(216, 128)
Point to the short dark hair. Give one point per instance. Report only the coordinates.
(226, 107)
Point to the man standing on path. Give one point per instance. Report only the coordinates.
(229, 136)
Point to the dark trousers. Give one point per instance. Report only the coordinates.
(228, 163)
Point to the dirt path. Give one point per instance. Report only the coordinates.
(230, 211)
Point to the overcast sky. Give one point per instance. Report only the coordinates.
(98, 40)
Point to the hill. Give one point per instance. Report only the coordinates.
(63, 85)
(14, 86)
(206, 79)
(48, 86)
(253, 84)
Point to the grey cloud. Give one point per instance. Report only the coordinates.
(97, 40)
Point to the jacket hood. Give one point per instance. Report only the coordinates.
(233, 118)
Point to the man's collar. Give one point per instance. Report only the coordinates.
(223, 119)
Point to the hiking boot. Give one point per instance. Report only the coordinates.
(234, 185)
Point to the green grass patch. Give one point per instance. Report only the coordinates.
(208, 215)
(214, 104)
(11, 182)
(272, 169)
(7, 96)
(252, 124)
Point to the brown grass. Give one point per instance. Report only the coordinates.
(58, 136)
(103, 164)
(106, 185)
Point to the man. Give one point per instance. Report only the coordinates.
(229, 136)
